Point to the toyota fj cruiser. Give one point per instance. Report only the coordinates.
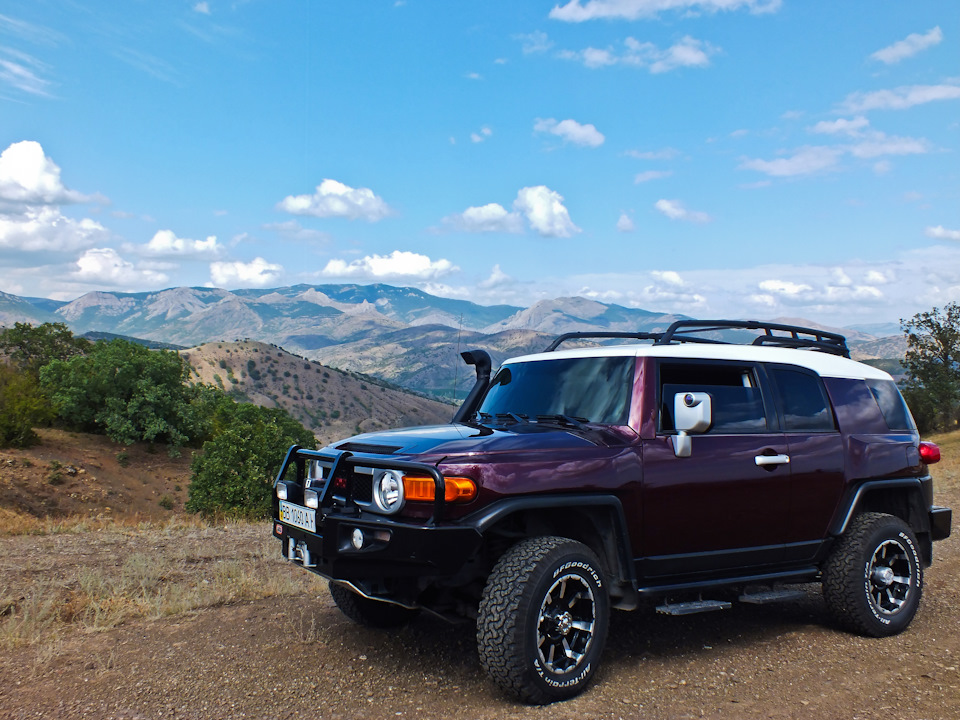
(686, 467)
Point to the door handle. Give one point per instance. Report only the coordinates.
(767, 460)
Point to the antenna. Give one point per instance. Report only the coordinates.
(456, 364)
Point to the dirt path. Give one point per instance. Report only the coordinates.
(299, 657)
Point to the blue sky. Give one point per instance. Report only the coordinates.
(718, 158)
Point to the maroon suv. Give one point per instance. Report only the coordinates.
(685, 465)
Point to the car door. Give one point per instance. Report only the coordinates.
(725, 505)
(816, 457)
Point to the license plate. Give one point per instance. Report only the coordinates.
(298, 516)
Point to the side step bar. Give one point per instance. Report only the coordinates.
(761, 597)
(696, 606)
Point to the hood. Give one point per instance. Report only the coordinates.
(460, 439)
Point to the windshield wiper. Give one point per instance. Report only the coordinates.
(578, 422)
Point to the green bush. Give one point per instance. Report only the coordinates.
(22, 408)
(30, 348)
(234, 474)
(127, 392)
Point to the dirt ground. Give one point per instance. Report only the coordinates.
(293, 655)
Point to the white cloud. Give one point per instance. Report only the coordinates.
(397, 265)
(578, 11)
(104, 266)
(46, 229)
(625, 223)
(571, 131)
(667, 153)
(334, 199)
(491, 217)
(535, 42)
(166, 243)
(876, 144)
(542, 208)
(22, 72)
(942, 233)
(900, 98)
(479, 137)
(497, 278)
(256, 273)
(688, 52)
(649, 175)
(545, 211)
(675, 210)
(804, 161)
(908, 47)
(202, 7)
(840, 126)
(29, 177)
(292, 230)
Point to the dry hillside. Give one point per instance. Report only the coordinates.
(332, 403)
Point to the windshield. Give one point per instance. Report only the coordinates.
(590, 389)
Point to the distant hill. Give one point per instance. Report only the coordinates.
(403, 335)
(332, 403)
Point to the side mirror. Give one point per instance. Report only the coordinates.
(692, 413)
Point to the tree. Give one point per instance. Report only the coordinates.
(932, 361)
(127, 392)
(234, 474)
(22, 407)
(30, 348)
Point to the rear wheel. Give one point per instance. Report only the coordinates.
(372, 613)
(543, 619)
(873, 579)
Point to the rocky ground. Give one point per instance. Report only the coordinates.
(251, 637)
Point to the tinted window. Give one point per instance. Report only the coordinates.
(597, 389)
(734, 395)
(802, 400)
(891, 404)
(735, 409)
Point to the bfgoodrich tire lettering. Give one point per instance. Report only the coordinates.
(371, 613)
(543, 619)
(873, 579)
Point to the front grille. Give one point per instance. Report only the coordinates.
(361, 487)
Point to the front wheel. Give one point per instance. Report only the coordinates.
(543, 619)
(873, 579)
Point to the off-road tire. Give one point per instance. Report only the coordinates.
(371, 613)
(543, 619)
(873, 578)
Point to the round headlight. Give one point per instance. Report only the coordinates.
(388, 491)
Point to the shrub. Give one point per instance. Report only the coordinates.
(127, 392)
(234, 474)
(22, 408)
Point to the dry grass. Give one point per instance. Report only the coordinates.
(58, 577)
(946, 473)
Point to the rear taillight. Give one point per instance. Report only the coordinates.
(929, 453)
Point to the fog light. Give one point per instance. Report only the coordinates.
(357, 539)
(282, 491)
(311, 499)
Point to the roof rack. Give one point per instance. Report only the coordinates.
(682, 331)
(599, 334)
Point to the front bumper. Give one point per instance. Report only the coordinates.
(390, 550)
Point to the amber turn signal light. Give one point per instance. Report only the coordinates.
(423, 489)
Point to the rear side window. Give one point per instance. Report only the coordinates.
(892, 405)
(802, 400)
(734, 392)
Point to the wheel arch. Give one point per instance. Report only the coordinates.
(596, 521)
(903, 498)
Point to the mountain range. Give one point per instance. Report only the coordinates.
(401, 334)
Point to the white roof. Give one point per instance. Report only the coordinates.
(824, 364)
